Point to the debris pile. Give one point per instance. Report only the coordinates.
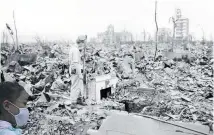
(184, 89)
(178, 89)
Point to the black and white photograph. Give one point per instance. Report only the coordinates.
(106, 67)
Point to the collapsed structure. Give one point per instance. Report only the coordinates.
(177, 86)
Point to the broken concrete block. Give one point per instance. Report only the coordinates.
(40, 85)
(43, 98)
(125, 76)
(58, 84)
(26, 59)
(22, 77)
(41, 76)
(14, 67)
(50, 79)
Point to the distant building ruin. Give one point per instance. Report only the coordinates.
(182, 26)
(111, 37)
(108, 36)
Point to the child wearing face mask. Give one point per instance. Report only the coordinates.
(13, 111)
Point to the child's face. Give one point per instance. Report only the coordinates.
(21, 102)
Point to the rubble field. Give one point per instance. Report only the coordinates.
(176, 86)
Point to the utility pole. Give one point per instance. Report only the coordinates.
(84, 72)
(156, 34)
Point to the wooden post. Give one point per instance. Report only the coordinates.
(156, 35)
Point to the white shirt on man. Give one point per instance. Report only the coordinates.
(74, 54)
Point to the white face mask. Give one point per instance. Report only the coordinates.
(22, 117)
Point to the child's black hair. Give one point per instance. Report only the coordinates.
(9, 91)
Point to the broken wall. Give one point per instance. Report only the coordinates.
(99, 83)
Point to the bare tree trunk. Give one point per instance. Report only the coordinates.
(174, 27)
(156, 34)
(15, 30)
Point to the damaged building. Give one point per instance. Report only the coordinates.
(111, 37)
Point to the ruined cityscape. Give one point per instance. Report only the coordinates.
(114, 83)
(165, 35)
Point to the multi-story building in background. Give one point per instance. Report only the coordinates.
(111, 37)
(107, 37)
(182, 26)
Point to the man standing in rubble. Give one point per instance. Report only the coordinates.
(76, 72)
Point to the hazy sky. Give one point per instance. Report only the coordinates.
(66, 19)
